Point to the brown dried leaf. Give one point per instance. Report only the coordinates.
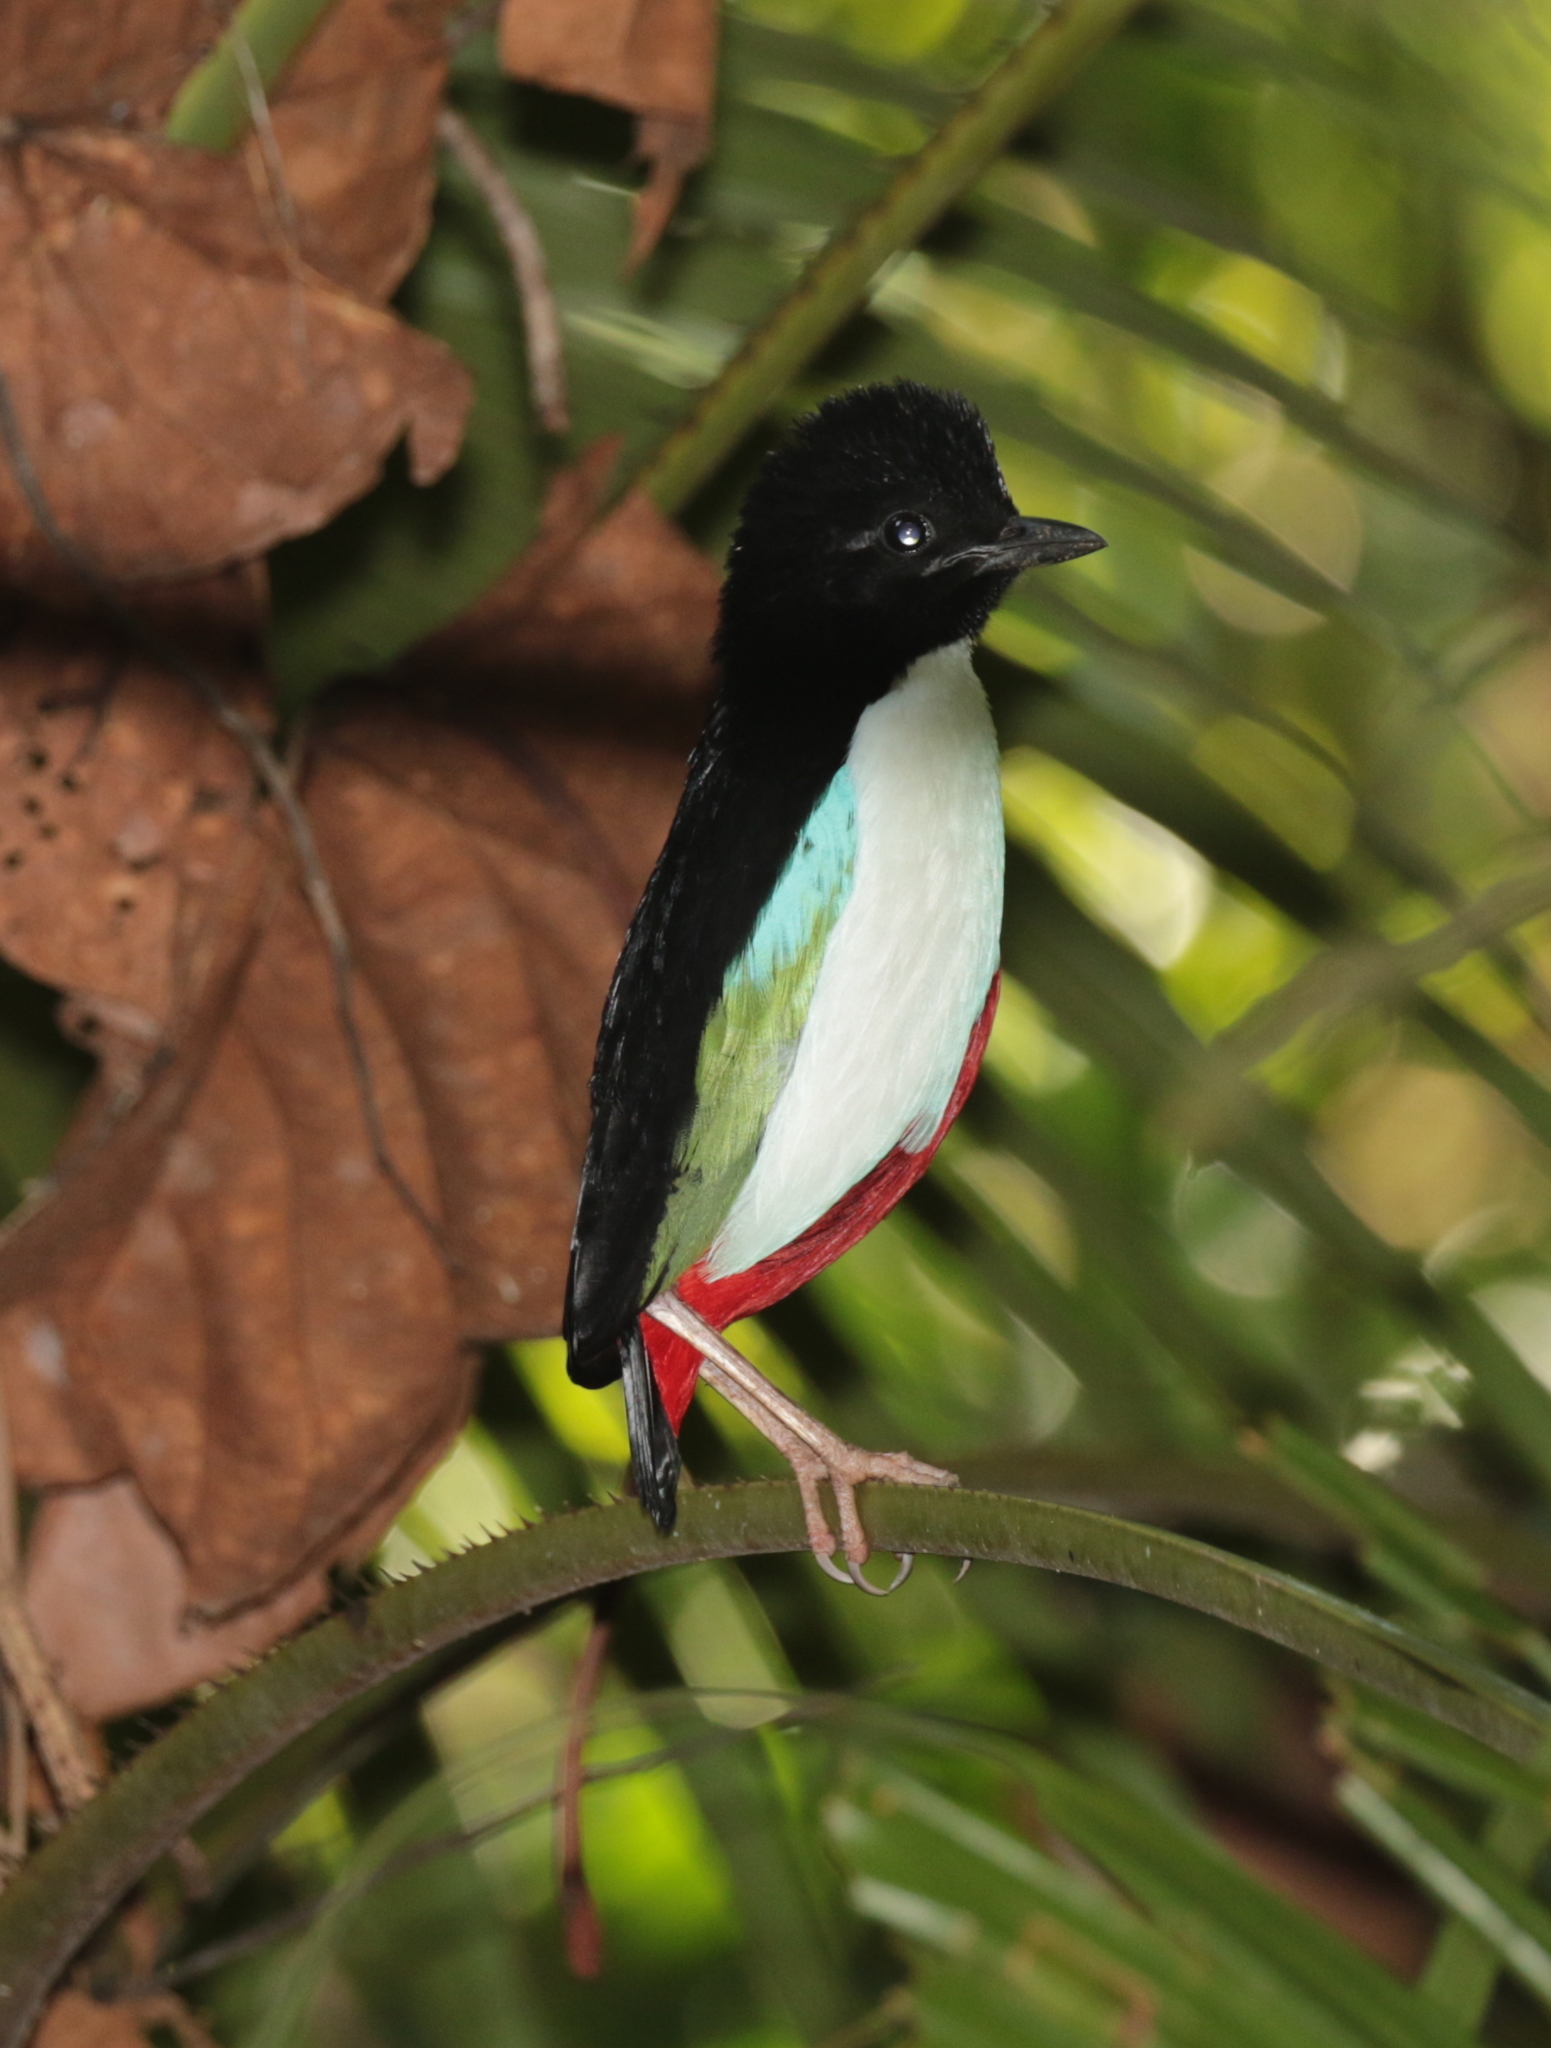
(487, 856)
(353, 118)
(657, 58)
(183, 412)
(651, 56)
(93, 736)
(354, 121)
(73, 2020)
(125, 810)
(615, 614)
(274, 1338)
(670, 148)
(196, 345)
(226, 1297)
(97, 1554)
(117, 61)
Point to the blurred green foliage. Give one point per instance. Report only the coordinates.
(1265, 299)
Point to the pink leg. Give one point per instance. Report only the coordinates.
(813, 1452)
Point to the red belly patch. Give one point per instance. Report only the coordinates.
(677, 1364)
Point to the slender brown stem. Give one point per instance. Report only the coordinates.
(32, 1695)
(277, 185)
(61, 1745)
(269, 144)
(273, 777)
(282, 791)
(530, 270)
(17, 1752)
(18, 1774)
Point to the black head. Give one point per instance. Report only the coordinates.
(880, 529)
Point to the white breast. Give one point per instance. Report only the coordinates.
(908, 964)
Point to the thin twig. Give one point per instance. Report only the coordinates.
(215, 1955)
(578, 1910)
(530, 271)
(274, 778)
(32, 1694)
(61, 1745)
(18, 1758)
(18, 1773)
(281, 197)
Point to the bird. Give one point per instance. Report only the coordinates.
(806, 989)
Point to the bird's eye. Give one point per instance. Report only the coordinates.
(907, 533)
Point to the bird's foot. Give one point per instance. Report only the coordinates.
(847, 1466)
(813, 1451)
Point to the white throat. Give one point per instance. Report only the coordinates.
(908, 964)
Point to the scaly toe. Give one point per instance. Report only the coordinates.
(853, 1537)
(821, 1540)
(898, 1468)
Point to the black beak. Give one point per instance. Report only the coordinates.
(1035, 543)
(1029, 544)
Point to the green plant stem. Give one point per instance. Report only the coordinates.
(1462, 1967)
(63, 1894)
(213, 108)
(1472, 1884)
(838, 279)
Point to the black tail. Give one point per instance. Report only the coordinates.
(654, 1447)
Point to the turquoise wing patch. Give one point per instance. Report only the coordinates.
(751, 1036)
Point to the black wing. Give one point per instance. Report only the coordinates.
(744, 804)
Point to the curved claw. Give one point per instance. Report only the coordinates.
(831, 1570)
(852, 1575)
(865, 1585)
(964, 1565)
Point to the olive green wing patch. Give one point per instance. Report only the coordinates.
(751, 1036)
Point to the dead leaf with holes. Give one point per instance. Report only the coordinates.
(225, 1300)
(196, 347)
(656, 58)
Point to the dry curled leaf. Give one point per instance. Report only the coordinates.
(196, 346)
(657, 58)
(226, 1297)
